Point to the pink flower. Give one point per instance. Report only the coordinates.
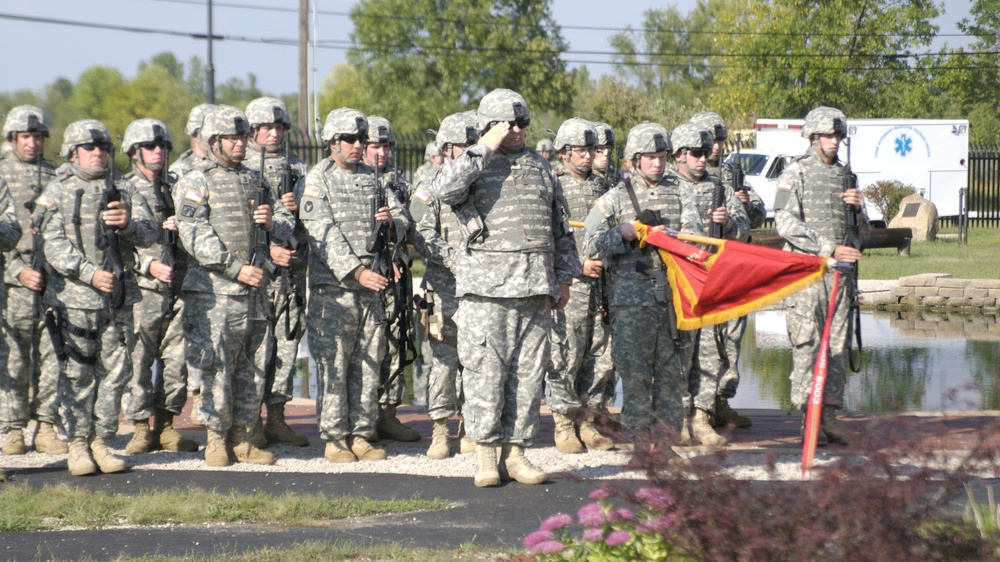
(616, 538)
(547, 547)
(593, 534)
(600, 494)
(536, 538)
(654, 498)
(656, 526)
(623, 514)
(591, 515)
(557, 521)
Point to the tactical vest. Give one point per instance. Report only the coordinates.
(514, 196)
(229, 194)
(821, 187)
(275, 164)
(699, 199)
(664, 197)
(22, 180)
(580, 195)
(351, 204)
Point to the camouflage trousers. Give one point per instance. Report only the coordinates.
(172, 389)
(32, 369)
(444, 382)
(228, 352)
(708, 362)
(805, 315)
(393, 395)
(287, 310)
(732, 334)
(651, 365)
(348, 347)
(96, 370)
(152, 318)
(581, 356)
(503, 345)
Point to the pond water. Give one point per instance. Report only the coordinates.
(912, 362)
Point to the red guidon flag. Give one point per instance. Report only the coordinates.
(712, 288)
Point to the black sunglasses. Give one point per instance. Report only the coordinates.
(351, 139)
(93, 145)
(697, 152)
(153, 145)
(522, 123)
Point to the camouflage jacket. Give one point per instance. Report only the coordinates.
(23, 183)
(436, 238)
(697, 203)
(755, 209)
(154, 252)
(185, 163)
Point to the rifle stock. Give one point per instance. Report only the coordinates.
(378, 246)
(852, 238)
(106, 240)
(260, 255)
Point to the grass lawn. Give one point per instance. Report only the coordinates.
(976, 260)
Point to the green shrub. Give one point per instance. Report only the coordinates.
(885, 195)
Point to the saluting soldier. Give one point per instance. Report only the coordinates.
(221, 206)
(93, 221)
(31, 365)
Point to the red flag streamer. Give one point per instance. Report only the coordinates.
(814, 411)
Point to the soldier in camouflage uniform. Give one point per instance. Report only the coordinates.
(220, 204)
(651, 356)
(433, 158)
(579, 336)
(545, 149)
(700, 216)
(602, 167)
(199, 146)
(269, 123)
(810, 214)
(437, 239)
(345, 338)
(516, 261)
(380, 144)
(159, 270)
(732, 331)
(92, 306)
(31, 364)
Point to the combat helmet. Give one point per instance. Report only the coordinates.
(692, 136)
(25, 119)
(605, 134)
(457, 128)
(713, 122)
(84, 131)
(224, 120)
(344, 121)
(502, 105)
(575, 132)
(262, 111)
(545, 145)
(196, 118)
(646, 138)
(431, 150)
(825, 121)
(145, 130)
(380, 131)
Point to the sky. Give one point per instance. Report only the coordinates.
(38, 53)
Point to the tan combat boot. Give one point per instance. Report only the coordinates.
(565, 434)
(388, 426)
(702, 432)
(47, 441)
(685, 432)
(15, 442)
(338, 452)
(515, 466)
(257, 437)
(439, 448)
(244, 450)
(593, 438)
(277, 431)
(487, 474)
(364, 450)
(105, 459)
(726, 415)
(142, 439)
(79, 461)
(168, 438)
(831, 428)
(466, 445)
(215, 449)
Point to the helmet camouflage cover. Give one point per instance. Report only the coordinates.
(605, 134)
(344, 121)
(380, 130)
(25, 119)
(575, 132)
(502, 105)
(196, 118)
(713, 122)
(691, 135)
(646, 138)
(431, 150)
(544, 145)
(224, 120)
(145, 130)
(84, 131)
(262, 111)
(825, 121)
(457, 128)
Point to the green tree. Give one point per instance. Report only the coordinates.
(424, 59)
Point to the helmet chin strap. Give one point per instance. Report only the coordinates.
(578, 169)
(651, 178)
(230, 159)
(827, 155)
(691, 173)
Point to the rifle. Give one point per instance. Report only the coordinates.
(378, 246)
(106, 240)
(165, 205)
(737, 168)
(402, 316)
(289, 288)
(37, 257)
(260, 255)
(852, 238)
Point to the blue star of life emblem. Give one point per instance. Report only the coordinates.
(904, 145)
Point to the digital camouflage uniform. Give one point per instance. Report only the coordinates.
(810, 216)
(344, 338)
(30, 365)
(97, 338)
(14, 384)
(651, 357)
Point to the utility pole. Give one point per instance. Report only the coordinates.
(304, 66)
(210, 68)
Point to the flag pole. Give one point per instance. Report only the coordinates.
(814, 410)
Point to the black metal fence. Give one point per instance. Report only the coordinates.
(983, 194)
(408, 154)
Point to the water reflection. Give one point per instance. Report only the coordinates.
(913, 361)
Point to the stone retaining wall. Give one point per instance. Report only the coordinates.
(931, 325)
(941, 291)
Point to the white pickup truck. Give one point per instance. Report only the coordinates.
(761, 170)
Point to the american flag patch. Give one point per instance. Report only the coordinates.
(310, 191)
(194, 195)
(45, 201)
(602, 206)
(423, 195)
(785, 185)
